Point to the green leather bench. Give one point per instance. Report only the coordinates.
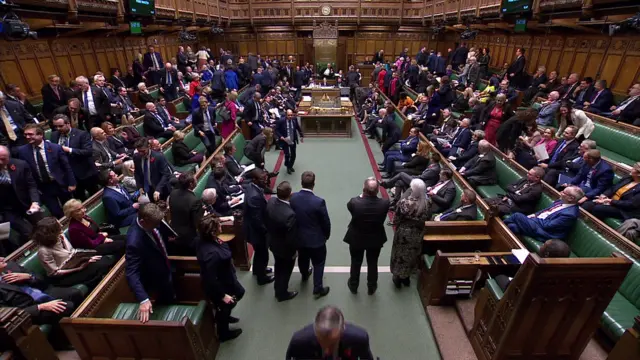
(202, 183)
(194, 143)
(616, 145)
(239, 141)
(195, 313)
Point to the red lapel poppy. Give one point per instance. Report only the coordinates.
(12, 167)
(347, 353)
(49, 149)
(152, 159)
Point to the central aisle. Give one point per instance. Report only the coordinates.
(395, 320)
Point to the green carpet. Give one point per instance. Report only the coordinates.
(395, 320)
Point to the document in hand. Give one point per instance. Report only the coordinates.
(79, 257)
(247, 169)
(239, 202)
(541, 152)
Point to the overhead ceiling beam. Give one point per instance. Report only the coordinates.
(571, 23)
(90, 27)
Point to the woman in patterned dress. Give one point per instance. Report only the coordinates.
(411, 213)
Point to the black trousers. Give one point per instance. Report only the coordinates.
(603, 211)
(209, 141)
(170, 93)
(256, 158)
(70, 296)
(116, 247)
(53, 196)
(19, 224)
(282, 269)
(90, 276)
(260, 259)
(357, 256)
(85, 188)
(504, 208)
(223, 310)
(289, 154)
(317, 257)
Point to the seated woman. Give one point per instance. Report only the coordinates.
(84, 233)
(405, 103)
(525, 155)
(144, 96)
(181, 154)
(621, 201)
(128, 179)
(54, 250)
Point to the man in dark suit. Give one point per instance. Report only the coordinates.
(225, 190)
(594, 177)
(120, 207)
(230, 163)
(481, 170)
(314, 229)
(584, 92)
(466, 211)
(103, 156)
(443, 192)
(186, 211)
(29, 291)
(470, 151)
(620, 201)
(50, 167)
(522, 196)
(13, 118)
(602, 99)
(564, 151)
(459, 142)
(78, 115)
(402, 180)
(391, 133)
(286, 132)
(554, 222)
(378, 57)
(203, 121)
(629, 109)
(53, 96)
(255, 206)
(515, 72)
(282, 237)
(125, 110)
(169, 82)
(152, 171)
(19, 195)
(152, 63)
(329, 337)
(77, 145)
(94, 100)
(568, 91)
(459, 56)
(218, 84)
(147, 263)
(366, 233)
(154, 125)
(183, 59)
(408, 147)
(116, 79)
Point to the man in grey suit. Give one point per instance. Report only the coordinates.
(481, 169)
(366, 234)
(103, 156)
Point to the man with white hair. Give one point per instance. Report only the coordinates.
(154, 126)
(103, 156)
(94, 100)
(549, 109)
(554, 222)
(169, 82)
(481, 169)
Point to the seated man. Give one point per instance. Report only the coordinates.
(224, 190)
(620, 201)
(467, 210)
(120, 207)
(522, 196)
(481, 169)
(549, 109)
(470, 151)
(602, 99)
(508, 91)
(233, 166)
(594, 177)
(554, 222)
(26, 290)
(459, 142)
(572, 166)
(163, 112)
(154, 125)
(217, 207)
(629, 109)
(565, 150)
(408, 147)
(443, 193)
(391, 133)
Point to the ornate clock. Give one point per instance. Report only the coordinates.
(325, 10)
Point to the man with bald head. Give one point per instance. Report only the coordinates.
(568, 91)
(286, 133)
(153, 124)
(594, 177)
(169, 82)
(103, 156)
(549, 108)
(366, 234)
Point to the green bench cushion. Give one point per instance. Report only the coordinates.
(202, 184)
(140, 128)
(428, 260)
(617, 145)
(195, 313)
(494, 288)
(32, 263)
(618, 316)
(155, 93)
(616, 157)
(614, 223)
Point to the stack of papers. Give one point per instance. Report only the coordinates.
(520, 254)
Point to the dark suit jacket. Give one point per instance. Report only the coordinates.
(461, 139)
(50, 101)
(160, 172)
(56, 158)
(218, 82)
(147, 62)
(354, 344)
(119, 208)
(232, 165)
(443, 199)
(223, 190)
(466, 214)
(281, 130)
(163, 78)
(431, 174)
(631, 112)
(366, 229)
(603, 101)
(83, 115)
(482, 169)
(467, 154)
(24, 185)
(459, 55)
(525, 199)
(100, 101)
(146, 265)
(198, 120)
(517, 67)
(314, 226)
(117, 83)
(601, 179)
(101, 155)
(282, 228)
(81, 156)
(587, 96)
(256, 145)
(216, 270)
(20, 116)
(186, 212)
(151, 125)
(568, 153)
(629, 202)
(255, 207)
(12, 295)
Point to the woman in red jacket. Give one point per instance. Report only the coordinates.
(84, 233)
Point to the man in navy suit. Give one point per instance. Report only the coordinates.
(408, 147)
(314, 229)
(564, 151)
(391, 133)
(79, 149)
(152, 172)
(94, 100)
(152, 63)
(515, 72)
(255, 207)
(554, 222)
(147, 263)
(169, 82)
(203, 121)
(13, 118)
(329, 337)
(19, 194)
(458, 143)
(602, 99)
(594, 177)
(120, 208)
(50, 167)
(287, 134)
(620, 201)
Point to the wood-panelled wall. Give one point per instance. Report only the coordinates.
(615, 59)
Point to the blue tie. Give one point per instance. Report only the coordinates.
(168, 77)
(560, 148)
(86, 100)
(37, 294)
(145, 173)
(206, 113)
(445, 214)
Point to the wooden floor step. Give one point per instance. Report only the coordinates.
(457, 237)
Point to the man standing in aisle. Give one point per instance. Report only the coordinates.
(314, 229)
(152, 63)
(287, 134)
(254, 225)
(366, 233)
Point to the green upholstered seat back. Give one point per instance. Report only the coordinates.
(195, 313)
(616, 141)
(32, 263)
(399, 120)
(168, 154)
(191, 140)
(481, 86)
(202, 183)
(506, 175)
(98, 214)
(140, 128)
(239, 141)
(155, 93)
(456, 200)
(180, 107)
(47, 134)
(411, 94)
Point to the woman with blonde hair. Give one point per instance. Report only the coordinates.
(128, 178)
(182, 155)
(203, 56)
(84, 233)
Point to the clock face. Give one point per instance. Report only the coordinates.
(326, 10)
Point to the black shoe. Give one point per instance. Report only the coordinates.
(232, 334)
(381, 164)
(406, 282)
(268, 270)
(352, 287)
(233, 320)
(266, 280)
(397, 282)
(289, 171)
(323, 292)
(386, 176)
(273, 174)
(371, 289)
(306, 276)
(290, 295)
(292, 169)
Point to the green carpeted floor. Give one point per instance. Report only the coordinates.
(395, 320)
